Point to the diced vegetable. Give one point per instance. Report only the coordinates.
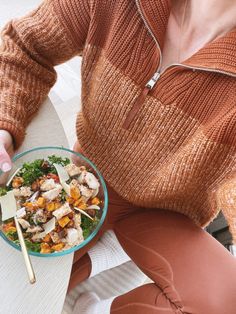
(75, 193)
(50, 206)
(64, 221)
(58, 247)
(41, 202)
(45, 248)
(47, 238)
(95, 201)
(17, 182)
(9, 229)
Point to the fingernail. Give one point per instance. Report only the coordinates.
(6, 167)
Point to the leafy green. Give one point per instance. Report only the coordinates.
(31, 171)
(12, 235)
(63, 195)
(3, 191)
(88, 225)
(34, 247)
(53, 159)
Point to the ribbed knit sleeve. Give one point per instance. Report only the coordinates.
(31, 46)
(226, 201)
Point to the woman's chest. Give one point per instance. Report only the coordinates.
(109, 92)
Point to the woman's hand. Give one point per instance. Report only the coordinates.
(6, 150)
(77, 147)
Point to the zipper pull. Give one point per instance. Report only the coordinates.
(150, 84)
(140, 100)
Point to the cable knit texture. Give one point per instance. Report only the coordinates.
(179, 152)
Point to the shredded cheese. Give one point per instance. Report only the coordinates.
(8, 205)
(63, 177)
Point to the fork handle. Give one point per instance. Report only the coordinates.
(28, 263)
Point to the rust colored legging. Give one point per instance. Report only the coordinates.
(192, 272)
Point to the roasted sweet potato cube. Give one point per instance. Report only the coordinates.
(17, 182)
(41, 202)
(30, 205)
(58, 247)
(70, 200)
(50, 206)
(75, 193)
(63, 221)
(47, 238)
(95, 201)
(57, 205)
(9, 228)
(82, 205)
(45, 248)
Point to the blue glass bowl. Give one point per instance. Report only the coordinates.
(44, 152)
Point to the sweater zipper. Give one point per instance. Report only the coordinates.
(156, 76)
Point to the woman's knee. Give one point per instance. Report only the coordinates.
(147, 299)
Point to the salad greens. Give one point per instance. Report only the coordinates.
(87, 225)
(33, 170)
(3, 191)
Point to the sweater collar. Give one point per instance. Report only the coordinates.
(218, 55)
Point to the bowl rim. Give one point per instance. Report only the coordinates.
(105, 208)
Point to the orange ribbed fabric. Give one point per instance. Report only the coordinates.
(179, 150)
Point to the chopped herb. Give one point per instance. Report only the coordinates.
(87, 225)
(59, 160)
(31, 171)
(63, 195)
(34, 247)
(3, 191)
(12, 235)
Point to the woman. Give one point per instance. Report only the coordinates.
(158, 119)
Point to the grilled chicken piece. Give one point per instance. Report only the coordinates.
(24, 224)
(77, 220)
(91, 181)
(74, 236)
(86, 192)
(23, 191)
(52, 194)
(48, 185)
(62, 211)
(74, 183)
(40, 216)
(72, 170)
(55, 237)
(34, 229)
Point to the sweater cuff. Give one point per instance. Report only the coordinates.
(15, 129)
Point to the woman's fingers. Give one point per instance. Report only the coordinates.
(76, 159)
(6, 149)
(5, 160)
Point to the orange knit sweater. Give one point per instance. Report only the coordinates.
(167, 144)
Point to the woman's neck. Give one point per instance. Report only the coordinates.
(202, 14)
(193, 24)
(202, 20)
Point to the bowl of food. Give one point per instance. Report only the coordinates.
(61, 201)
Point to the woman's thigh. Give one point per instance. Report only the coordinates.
(195, 272)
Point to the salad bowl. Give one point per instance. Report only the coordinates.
(61, 198)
